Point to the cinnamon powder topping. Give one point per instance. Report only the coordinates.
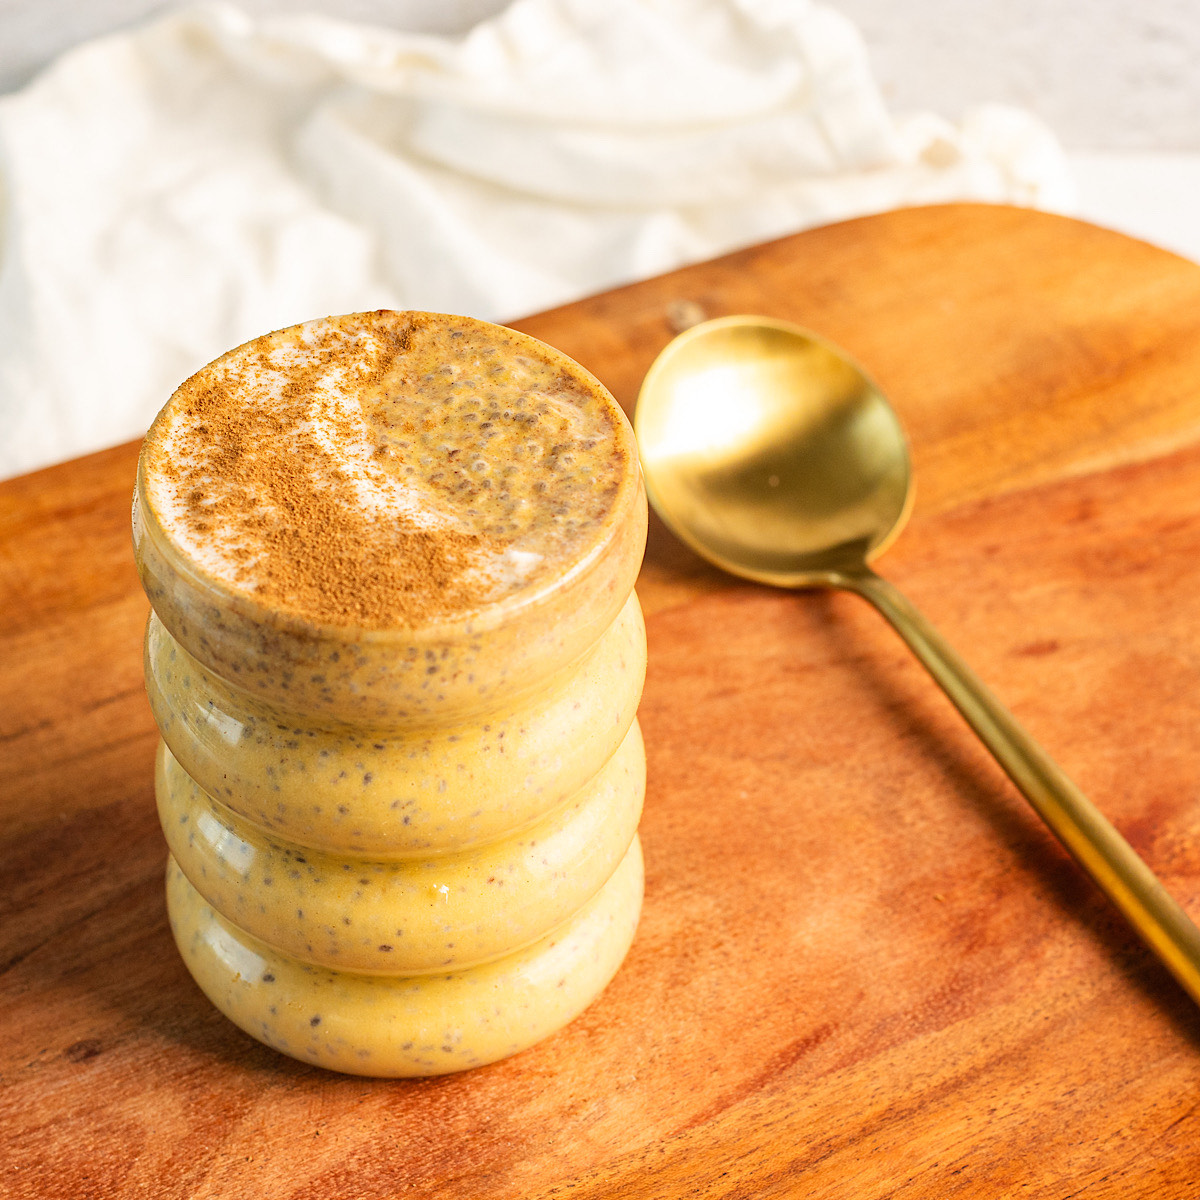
(385, 469)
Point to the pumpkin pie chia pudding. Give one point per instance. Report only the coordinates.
(395, 657)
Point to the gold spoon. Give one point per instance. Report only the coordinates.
(773, 455)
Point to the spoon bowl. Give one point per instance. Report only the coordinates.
(773, 454)
(770, 452)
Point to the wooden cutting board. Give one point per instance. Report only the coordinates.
(864, 969)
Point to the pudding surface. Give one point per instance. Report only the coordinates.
(386, 469)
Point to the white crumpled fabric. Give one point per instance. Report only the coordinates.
(173, 191)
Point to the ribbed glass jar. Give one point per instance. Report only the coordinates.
(402, 848)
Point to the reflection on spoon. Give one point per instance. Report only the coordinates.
(773, 455)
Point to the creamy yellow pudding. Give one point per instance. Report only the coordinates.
(395, 658)
(408, 1025)
(427, 790)
(456, 910)
(389, 520)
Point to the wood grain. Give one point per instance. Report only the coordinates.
(864, 969)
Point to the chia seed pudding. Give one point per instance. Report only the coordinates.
(395, 657)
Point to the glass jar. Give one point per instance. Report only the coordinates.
(405, 847)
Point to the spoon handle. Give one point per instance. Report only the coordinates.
(1091, 840)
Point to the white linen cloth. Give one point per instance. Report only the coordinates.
(173, 191)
